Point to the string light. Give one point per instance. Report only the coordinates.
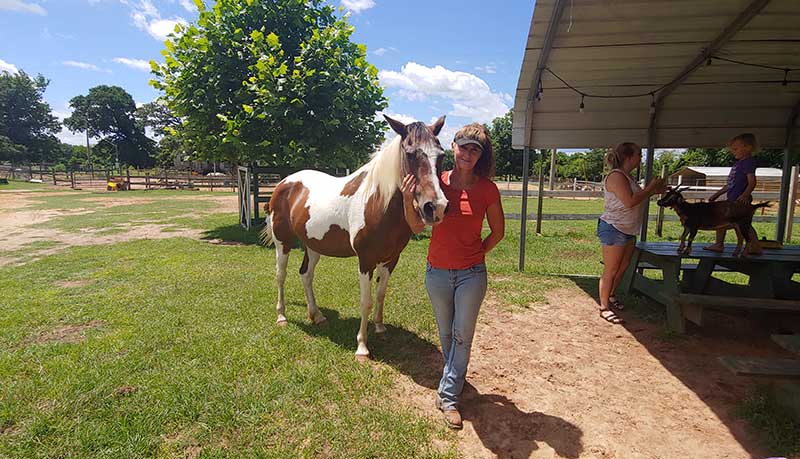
(653, 93)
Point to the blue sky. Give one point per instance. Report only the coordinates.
(454, 58)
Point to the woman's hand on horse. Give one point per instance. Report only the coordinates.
(408, 187)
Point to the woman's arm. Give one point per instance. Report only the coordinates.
(497, 225)
(618, 184)
(751, 185)
(412, 215)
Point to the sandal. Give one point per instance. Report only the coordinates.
(614, 303)
(609, 316)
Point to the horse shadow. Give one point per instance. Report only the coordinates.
(511, 433)
(500, 425)
(399, 348)
(232, 235)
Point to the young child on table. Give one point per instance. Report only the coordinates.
(741, 180)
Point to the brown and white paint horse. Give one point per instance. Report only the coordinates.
(358, 215)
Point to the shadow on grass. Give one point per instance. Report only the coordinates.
(501, 426)
(693, 358)
(233, 234)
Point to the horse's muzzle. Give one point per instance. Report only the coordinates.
(431, 213)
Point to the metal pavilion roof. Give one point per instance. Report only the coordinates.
(626, 47)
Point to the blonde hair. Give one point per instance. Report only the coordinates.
(747, 139)
(616, 157)
(485, 167)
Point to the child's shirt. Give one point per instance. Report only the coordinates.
(737, 179)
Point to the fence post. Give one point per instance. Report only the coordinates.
(54, 177)
(211, 181)
(128, 177)
(30, 171)
(574, 184)
(553, 168)
(792, 203)
(166, 179)
(72, 179)
(41, 172)
(660, 217)
(255, 191)
(147, 181)
(188, 177)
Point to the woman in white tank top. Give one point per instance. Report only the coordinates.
(621, 221)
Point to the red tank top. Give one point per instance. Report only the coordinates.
(456, 241)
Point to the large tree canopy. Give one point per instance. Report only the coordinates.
(109, 112)
(274, 81)
(27, 126)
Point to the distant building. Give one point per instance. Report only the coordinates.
(767, 178)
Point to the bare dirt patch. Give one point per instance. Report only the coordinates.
(124, 390)
(73, 283)
(71, 334)
(20, 227)
(556, 381)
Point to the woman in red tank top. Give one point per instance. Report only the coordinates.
(455, 276)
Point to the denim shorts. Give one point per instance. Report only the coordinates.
(611, 236)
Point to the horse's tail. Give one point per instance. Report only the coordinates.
(762, 204)
(266, 236)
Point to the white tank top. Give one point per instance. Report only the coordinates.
(627, 220)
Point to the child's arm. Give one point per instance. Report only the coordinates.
(751, 185)
(719, 193)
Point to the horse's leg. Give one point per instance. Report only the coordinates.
(307, 274)
(282, 259)
(383, 274)
(365, 282)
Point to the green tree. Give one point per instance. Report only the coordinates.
(158, 117)
(109, 112)
(26, 120)
(274, 81)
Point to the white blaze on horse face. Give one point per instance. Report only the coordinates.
(441, 200)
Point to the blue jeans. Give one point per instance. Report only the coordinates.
(456, 296)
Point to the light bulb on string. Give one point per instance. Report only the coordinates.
(653, 103)
(580, 109)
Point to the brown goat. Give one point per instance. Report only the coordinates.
(713, 216)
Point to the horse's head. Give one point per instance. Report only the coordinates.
(422, 157)
(672, 197)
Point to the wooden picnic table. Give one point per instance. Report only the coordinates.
(770, 285)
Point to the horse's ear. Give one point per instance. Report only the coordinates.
(397, 126)
(437, 125)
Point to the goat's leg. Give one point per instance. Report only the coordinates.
(692, 234)
(738, 249)
(683, 239)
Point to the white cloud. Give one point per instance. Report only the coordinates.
(380, 51)
(146, 17)
(357, 6)
(490, 68)
(85, 66)
(471, 97)
(22, 7)
(8, 67)
(188, 5)
(137, 64)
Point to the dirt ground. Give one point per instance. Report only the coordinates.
(553, 381)
(20, 226)
(556, 381)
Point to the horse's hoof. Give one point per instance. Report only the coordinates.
(281, 322)
(380, 330)
(321, 321)
(362, 357)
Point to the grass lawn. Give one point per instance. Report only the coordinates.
(151, 348)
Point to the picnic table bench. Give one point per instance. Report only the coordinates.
(770, 285)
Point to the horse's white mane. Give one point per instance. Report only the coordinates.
(383, 173)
